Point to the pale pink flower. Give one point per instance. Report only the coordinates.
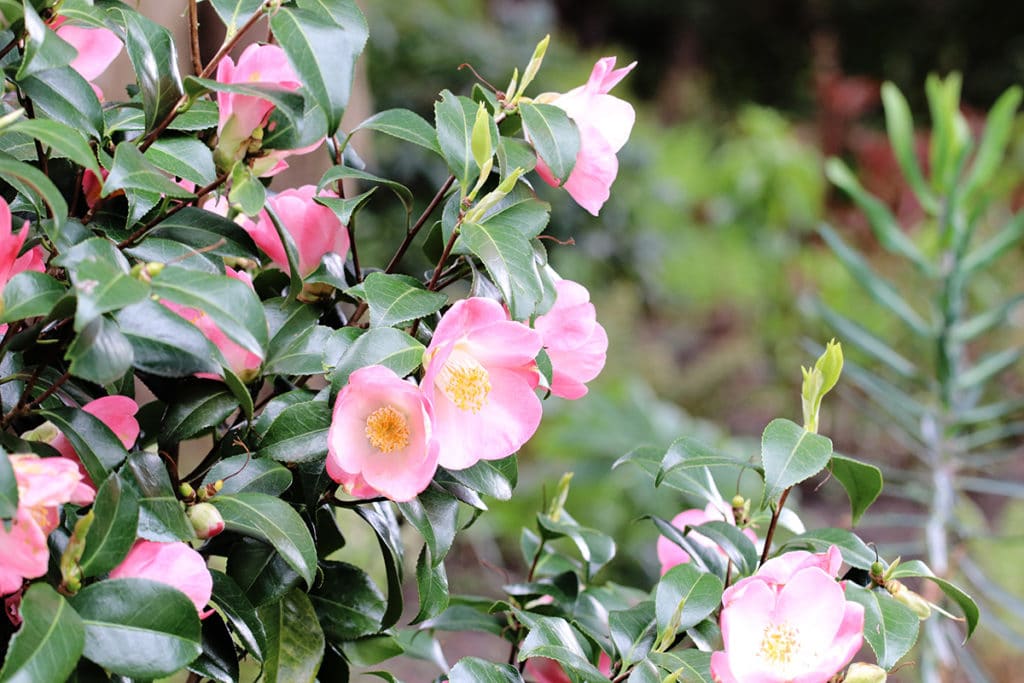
(176, 564)
(575, 342)
(239, 359)
(380, 441)
(670, 554)
(480, 379)
(604, 122)
(243, 117)
(802, 630)
(44, 484)
(97, 49)
(314, 228)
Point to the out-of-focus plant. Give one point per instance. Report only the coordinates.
(937, 377)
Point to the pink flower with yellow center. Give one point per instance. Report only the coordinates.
(480, 379)
(792, 624)
(381, 440)
(44, 484)
(574, 340)
(604, 122)
(176, 564)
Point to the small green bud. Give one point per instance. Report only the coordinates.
(532, 68)
(186, 491)
(862, 672)
(70, 571)
(877, 572)
(44, 433)
(921, 607)
(561, 494)
(481, 143)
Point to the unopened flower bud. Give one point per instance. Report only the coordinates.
(186, 491)
(909, 598)
(44, 433)
(877, 572)
(862, 672)
(206, 520)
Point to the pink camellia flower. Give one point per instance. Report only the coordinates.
(239, 359)
(604, 122)
(240, 127)
(574, 340)
(44, 484)
(802, 630)
(315, 229)
(175, 564)
(10, 246)
(670, 554)
(97, 49)
(380, 441)
(480, 379)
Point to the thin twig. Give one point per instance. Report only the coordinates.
(193, 34)
(776, 513)
(410, 235)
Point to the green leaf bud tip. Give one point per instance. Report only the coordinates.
(818, 381)
(561, 494)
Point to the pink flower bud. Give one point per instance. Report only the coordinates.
(206, 520)
(175, 564)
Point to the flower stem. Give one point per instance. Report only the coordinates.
(771, 527)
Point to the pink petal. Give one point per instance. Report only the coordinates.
(175, 564)
(591, 179)
(97, 48)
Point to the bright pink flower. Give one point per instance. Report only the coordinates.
(802, 630)
(315, 229)
(544, 670)
(239, 359)
(175, 564)
(604, 122)
(380, 441)
(97, 48)
(670, 554)
(10, 246)
(574, 340)
(44, 484)
(243, 117)
(480, 379)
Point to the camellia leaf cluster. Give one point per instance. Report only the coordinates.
(154, 292)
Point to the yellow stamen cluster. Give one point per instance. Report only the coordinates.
(387, 430)
(779, 645)
(465, 382)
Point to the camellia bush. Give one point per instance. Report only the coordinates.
(157, 298)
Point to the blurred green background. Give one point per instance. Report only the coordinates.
(703, 263)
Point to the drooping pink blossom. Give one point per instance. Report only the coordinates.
(97, 48)
(604, 122)
(242, 119)
(575, 342)
(238, 359)
(44, 484)
(381, 438)
(801, 629)
(480, 379)
(314, 228)
(670, 554)
(176, 564)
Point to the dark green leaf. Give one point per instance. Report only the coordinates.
(298, 434)
(8, 489)
(138, 627)
(28, 178)
(633, 631)
(274, 521)
(396, 299)
(132, 172)
(63, 95)
(112, 531)
(253, 475)
(889, 627)
(234, 12)
(855, 552)
(345, 209)
(595, 547)
(791, 454)
(151, 50)
(684, 597)
(509, 258)
(520, 211)
(514, 153)
(336, 173)
(863, 483)
(97, 447)
(917, 568)
(44, 49)
(495, 478)
(295, 641)
(554, 136)
(436, 516)
(63, 140)
(734, 542)
(554, 638)
(185, 157)
(218, 660)
(404, 125)
(347, 602)
(685, 453)
(164, 343)
(49, 642)
(207, 231)
(198, 407)
(381, 346)
(454, 117)
(381, 519)
(260, 572)
(431, 586)
(29, 294)
(100, 353)
(161, 515)
(461, 617)
(240, 613)
(476, 670)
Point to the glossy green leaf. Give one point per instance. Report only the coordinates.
(431, 587)
(863, 483)
(336, 173)
(381, 346)
(396, 299)
(856, 552)
(63, 140)
(684, 597)
(97, 447)
(164, 343)
(112, 531)
(63, 95)
(274, 521)
(100, 353)
(476, 670)
(235, 12)
(230, 303)
(737, 546)
(323, 40)
(151, 49)
(347, 602)
(44, 49)
(29, 294)
(685, 666)
(298, 434)
(260, 572)
(790, 454)
(244, 473)
(462, 617)
(247, 193)
(436, 516)
(495, 478)
(917, 568)
(381, 519)
(133, 172)
(240, 613)
(595, 547)
(161, 515)
(49, 642)
(633, 631)
(218, 661)
(295, 641)
(8, 489)
(101, 282)
(509, 258)
(685, 454)
(137, 627)
(554, 638)
(183, 156)
(454, 117)
(520, 211)
(514, 153)
(890, 628)
(206, 231)
(404, 125)
(197, 408)
(702, 556)
(31, 179)
(554, 136)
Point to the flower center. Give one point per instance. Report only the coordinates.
(779, 645)
(464, 381)
(387, 430)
